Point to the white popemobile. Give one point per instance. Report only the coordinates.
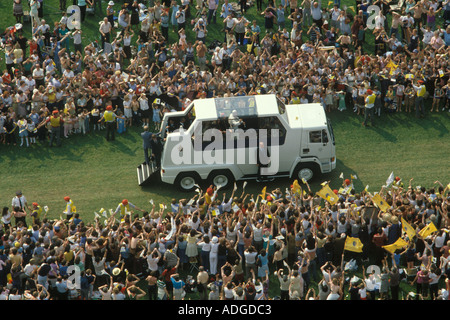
(218, 140)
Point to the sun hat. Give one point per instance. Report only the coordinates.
(116, 271)
(111, 3)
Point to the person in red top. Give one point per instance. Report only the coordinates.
(6, 77)
(379, 240)
(166, 274)
(56, 122)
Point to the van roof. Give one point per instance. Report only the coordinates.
(214, 108)
(307, 116)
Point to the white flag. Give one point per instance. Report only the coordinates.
(341, 176)
(245, 183)
(151, 202)
(235, 187)
(46, 208)
(390, 179)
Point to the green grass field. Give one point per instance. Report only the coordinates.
(97, 173)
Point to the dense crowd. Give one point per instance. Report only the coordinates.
(232, 247)
(306, 51)
(277, 245)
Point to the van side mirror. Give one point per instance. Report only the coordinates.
(324, 136)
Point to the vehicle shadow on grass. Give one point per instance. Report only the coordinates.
(254, 188)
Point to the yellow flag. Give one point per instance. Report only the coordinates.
(380, 203)
(392, 66)
(330, 2)
(353, 244)
(327, 194)
(345, 190)
(351, 8)
(296, 187)
(406, 227)
(429, 229)
(263, 193)
(400, 243)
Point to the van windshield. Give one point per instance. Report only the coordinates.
(242, 106)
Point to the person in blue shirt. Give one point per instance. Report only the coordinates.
(76, 219)
(178, 286)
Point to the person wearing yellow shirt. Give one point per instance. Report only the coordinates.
(210, 195)
(36, 212)
(109, 117)
(70, 208)
(420, 96)
(55, 121)
(369, 107)
(124, 207)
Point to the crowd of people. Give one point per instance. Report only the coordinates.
(234, 247)
(278, 245)
(307, 51)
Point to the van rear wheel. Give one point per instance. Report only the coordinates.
(187, 182)
(222, 179)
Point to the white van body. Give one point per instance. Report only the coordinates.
(303, 148)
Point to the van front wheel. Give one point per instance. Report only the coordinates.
(305, 171)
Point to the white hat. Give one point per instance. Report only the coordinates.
(116, 271)
(215, 239)
(111, 3)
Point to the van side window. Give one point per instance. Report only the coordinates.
(271, 123)
(315, 137)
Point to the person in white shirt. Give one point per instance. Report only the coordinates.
(105, 31)
(145, 110)
(427, 35)
(19, 201)
(153, 259)
(44, 29)
(380, 20)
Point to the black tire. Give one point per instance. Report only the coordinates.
(308, 171)
(186, 181)
(224, 178)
